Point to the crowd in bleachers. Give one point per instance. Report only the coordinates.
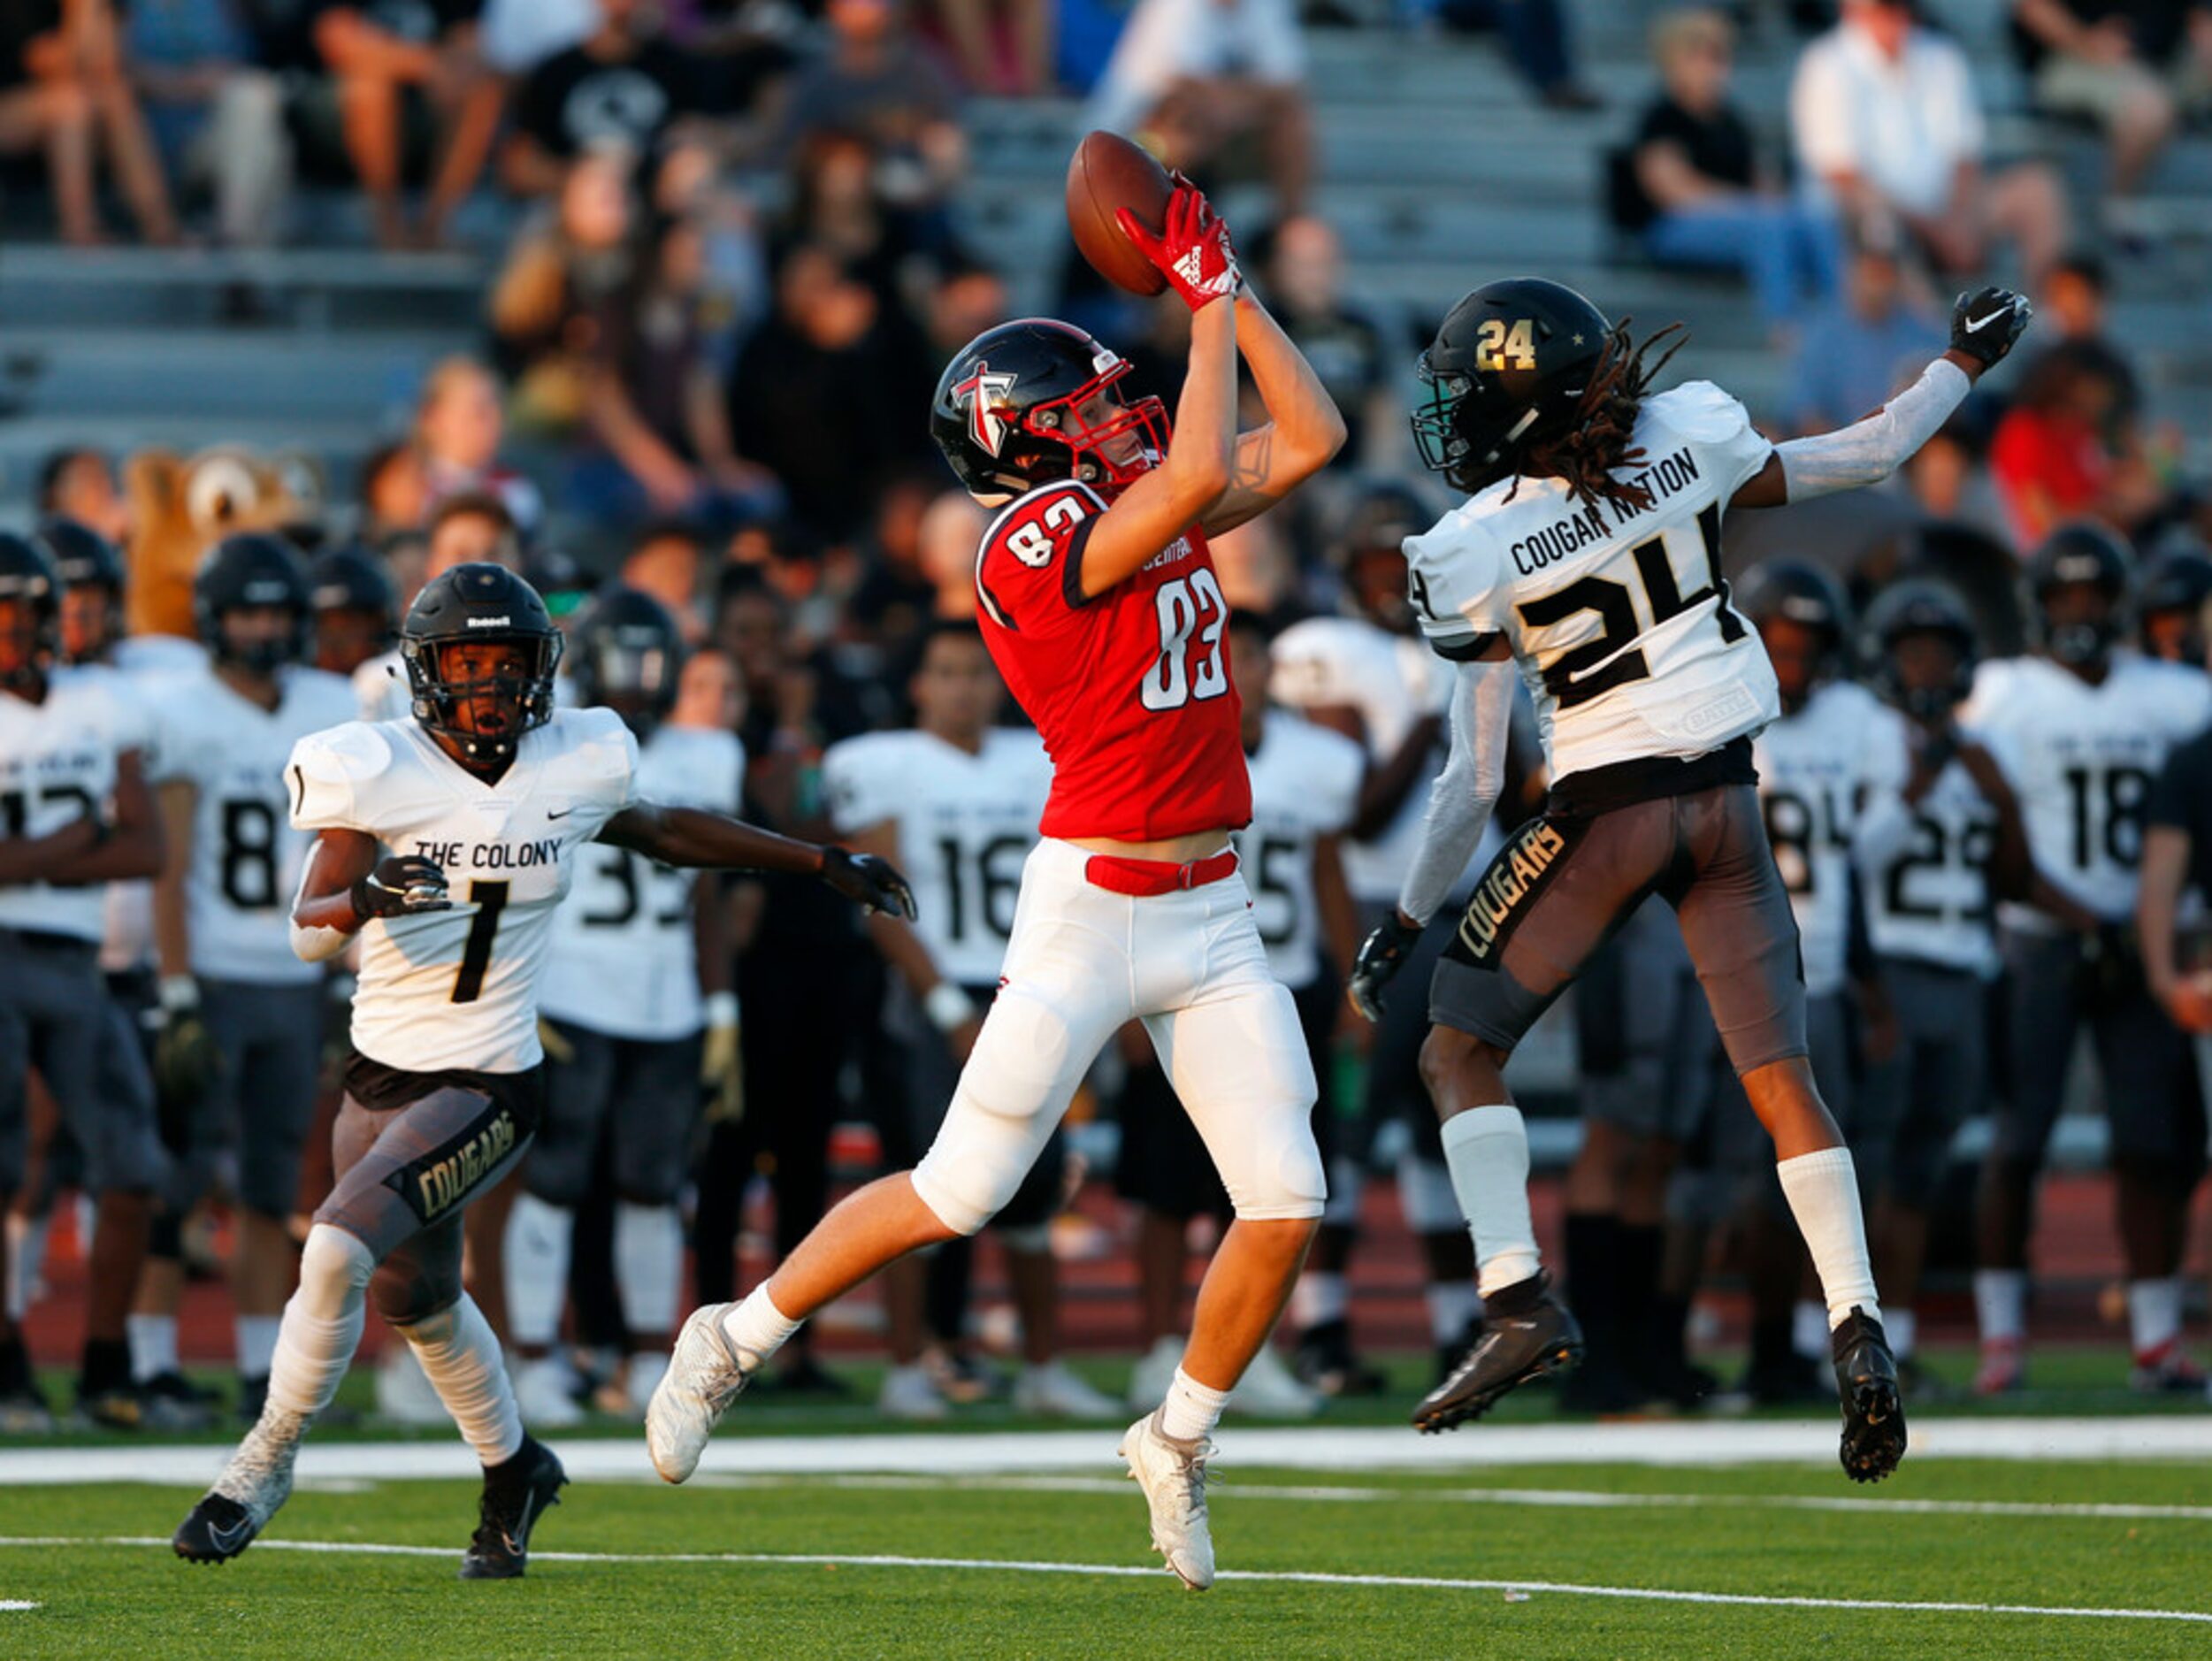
(733, 254)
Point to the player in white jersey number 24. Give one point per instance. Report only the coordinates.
(1588, 554)
(445, 841)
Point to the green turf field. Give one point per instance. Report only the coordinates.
(1723, 1532)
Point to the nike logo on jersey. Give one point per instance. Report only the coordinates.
(563, 814)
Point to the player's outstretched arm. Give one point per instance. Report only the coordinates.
(1302, 432)
(1985, 327)
(1194, 253)
(692, 837)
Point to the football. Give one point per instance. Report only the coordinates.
(1106, 172)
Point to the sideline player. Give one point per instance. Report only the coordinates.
(355, 603)
(74, 815)
(2082, 727)
(956, 800)
(1588, 555)
(242, 1039)
(1101, 607)
(639, 975)
(484, 793)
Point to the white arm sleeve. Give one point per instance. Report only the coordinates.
(1460, 800)
(1867, 452)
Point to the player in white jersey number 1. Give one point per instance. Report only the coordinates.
(1588, 554)
(445, 840)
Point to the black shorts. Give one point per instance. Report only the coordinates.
(381, 1089)
(1690, 832)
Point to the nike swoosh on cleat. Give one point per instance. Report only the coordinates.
(231, 1540)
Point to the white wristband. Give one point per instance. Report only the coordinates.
(721, 1009)
(179, 991)
(948, 1007)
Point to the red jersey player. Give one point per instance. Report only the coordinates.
(1100, 605)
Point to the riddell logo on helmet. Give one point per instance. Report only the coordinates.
(491, 622)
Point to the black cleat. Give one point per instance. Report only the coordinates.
(1873, 1409)
(217, 1531)
(516, 1494)
(1535, 1336)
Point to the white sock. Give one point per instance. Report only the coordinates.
(154, 1346)
(26, 1258)
(649, 1266)
(1320, 1296)
(1487, 1151)
(756, 1327)
(322, 1322)
(2153, 1313)
(1452, 1306)
(256, 1336)
(1823, 1192)
(2000, 1305)
(1902, 1328)
(1809, 1329)
(1191, 1410)
(461, 1360)
(538, 1236)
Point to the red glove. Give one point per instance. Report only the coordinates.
(1192, 250)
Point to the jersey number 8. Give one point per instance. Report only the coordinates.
(1190, 605)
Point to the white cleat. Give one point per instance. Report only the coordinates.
(1268, 1392)
(704, 1377)
(911, 1395)
(1154, 1372)
(1172, 1475)
(1050, 1391)
(545, 1394)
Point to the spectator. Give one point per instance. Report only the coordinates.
(458, 427)
(473, 527)
(1534, 34)
(1694, 188)
(395, 495)
(518, 35)
(967, 299)
(402, 65)
(664, 562)
(1888, 123)
(65, 88)
(952, 531)
(2066, 449)
(568, 265)
(807, 397)
(708, 693)
(1858, 349)
(837, 203)
(1191, 75)
(1305, 267)
(79, 483)
(2133, 67)
(623, 86)
(218, 117)
(1003, 46)
(877, 82)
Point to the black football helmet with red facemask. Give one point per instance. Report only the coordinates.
(1008, 413)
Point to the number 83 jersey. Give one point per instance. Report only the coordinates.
(625, 956)
(966, 824)
(2083, 759)
(457, 989)
(1619, 620)
(246, 860)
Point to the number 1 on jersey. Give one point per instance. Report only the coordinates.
(489, 899)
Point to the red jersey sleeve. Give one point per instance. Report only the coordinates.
(1029, 575)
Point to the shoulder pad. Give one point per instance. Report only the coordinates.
(348, 753)
(1699, 409)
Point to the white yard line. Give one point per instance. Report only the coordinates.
(1125, 1570)
(1359, 1450)
(15, 1605)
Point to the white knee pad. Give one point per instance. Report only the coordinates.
(1018, 1081)
(1425, 1196)
(335, 1269)
(1276, 1174)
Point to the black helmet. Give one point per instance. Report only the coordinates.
(350, 578)
(629, 654)
(1920, 605)
(253, 569)
(470, 602)
(26, 573)
(1799, 592)
(1367, 550)
(1005, 411)
(85, 559)
(2177, 582)
(2080, 553)
(1507, 369)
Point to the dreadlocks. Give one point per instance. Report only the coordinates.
(1585, 455)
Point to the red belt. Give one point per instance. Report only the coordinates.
(1147, 877)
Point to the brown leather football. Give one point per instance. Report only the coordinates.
(1106, 172)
